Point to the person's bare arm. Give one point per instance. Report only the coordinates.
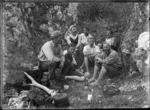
(68, 40)
(79, 41)
(89, 55)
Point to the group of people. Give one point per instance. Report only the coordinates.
(100, 55)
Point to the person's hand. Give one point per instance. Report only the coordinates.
(56, 59)
(98, 60)
(76, 49)
(73, 63)
(61, 64)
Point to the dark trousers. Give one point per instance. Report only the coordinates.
(47, 66)
(50, 67)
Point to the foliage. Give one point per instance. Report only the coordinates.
(114, 18)
(27, 26)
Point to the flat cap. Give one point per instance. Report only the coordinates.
(56, 34)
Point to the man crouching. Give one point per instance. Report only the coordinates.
(51, 57)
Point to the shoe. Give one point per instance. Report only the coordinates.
(53, 85)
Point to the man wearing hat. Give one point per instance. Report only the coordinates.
(51, 57)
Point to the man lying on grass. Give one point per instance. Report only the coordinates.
(110, 66)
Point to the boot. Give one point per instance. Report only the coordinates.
(53, 85)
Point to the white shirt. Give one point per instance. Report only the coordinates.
(91, 50)
(143, 40)
(110, 41)
(83, 38)
(46, 52)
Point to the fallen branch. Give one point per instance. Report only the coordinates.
(34, 83)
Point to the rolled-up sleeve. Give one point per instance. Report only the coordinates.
(85, 50)
(48, 53)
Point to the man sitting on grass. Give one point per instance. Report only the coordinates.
(110, 66)
(71, 72)
(90, 51)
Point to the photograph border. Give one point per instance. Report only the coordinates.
(57, 1)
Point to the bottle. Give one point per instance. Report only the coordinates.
(90, 96)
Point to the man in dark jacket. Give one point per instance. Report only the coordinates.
(70, 62)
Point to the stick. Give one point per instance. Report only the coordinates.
(34, 83)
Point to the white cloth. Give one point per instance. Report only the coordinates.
(110, 41)
(46, 52)
(83, 38)
(91, 50)
(143, 40)
(65, 52)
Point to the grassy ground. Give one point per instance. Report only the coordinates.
(133, 93)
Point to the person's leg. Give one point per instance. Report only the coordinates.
(82, 56)
(96, 69)
(75, 75)
(50, 67)
(82, 66)
(86, 62)
(43, 65)
(102, 73)
(78, 78)
(91, 61)
(52, 75)
(67, 67)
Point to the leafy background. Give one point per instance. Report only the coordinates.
(27, 27)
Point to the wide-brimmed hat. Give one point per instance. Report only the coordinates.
(56, 34)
